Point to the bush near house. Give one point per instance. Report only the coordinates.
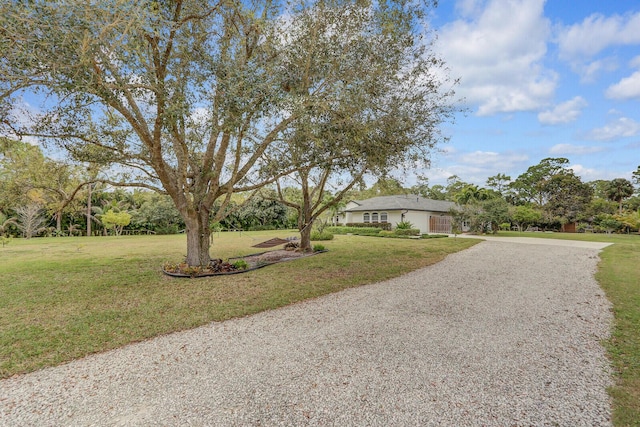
(382, 225)
(407, 231)
(321, 235)
(358, 231)
(373, 231)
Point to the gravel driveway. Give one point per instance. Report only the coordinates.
(501, 334)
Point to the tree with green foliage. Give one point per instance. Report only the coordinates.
(499, 182)
(482, 215)
(384, 116)
(384, 186)
(630, 220)
(470, 193)
(437, 192)
(155, 212)
(22, 166)
(598, 206)
(567, 197)
(530, 187)
(116, 220)
(525, 215)
(453, 187)
(185, 96)
(607, 223)
(421, 188)
(618, 190)
(262, 212)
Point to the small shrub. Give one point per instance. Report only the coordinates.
(433, 236)
(407, 232)
(404, 225)
(241, 264)
(321, 235)
(385, 233)
(505, 226)
(318, 248)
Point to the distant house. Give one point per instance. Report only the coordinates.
(430, 216)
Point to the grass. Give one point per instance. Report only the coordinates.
(619, 276)
(64, 298)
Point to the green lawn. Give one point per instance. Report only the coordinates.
(619, 276)
(64, 298)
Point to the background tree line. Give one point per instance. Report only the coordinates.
(547, 196)
(40, 196)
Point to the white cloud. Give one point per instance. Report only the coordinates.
(469, 8)
(619, 128)
(589, 72)
(597, 32)
(498, 51)
(591, 174)
(627, 88)
(584, 172)
(570, 149)
(476, 167)
(491, 158)
(563, 113)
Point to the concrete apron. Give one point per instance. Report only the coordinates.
(540, 241)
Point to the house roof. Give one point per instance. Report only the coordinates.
(401, 202)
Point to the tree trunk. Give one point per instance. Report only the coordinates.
(305, 213)
(305, 239)
(305, 225)
(198, 238)
(89, 212)
(59, 223)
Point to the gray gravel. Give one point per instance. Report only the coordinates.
(502, 334)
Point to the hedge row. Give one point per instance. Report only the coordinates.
(372, 231)
(407, 231)
(361, 231)
(324, 235)
(381, 225)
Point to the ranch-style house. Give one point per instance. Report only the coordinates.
(430, 216)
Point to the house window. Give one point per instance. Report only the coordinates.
(365, 217)
(374, 217)
(383, 217)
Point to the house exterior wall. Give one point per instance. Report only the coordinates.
(419, 219)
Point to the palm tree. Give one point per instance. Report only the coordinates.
(619, 189)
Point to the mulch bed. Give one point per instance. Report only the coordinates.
(218, 267)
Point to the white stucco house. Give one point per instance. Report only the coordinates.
(430, 216)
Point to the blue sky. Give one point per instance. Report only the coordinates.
(556, 78)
